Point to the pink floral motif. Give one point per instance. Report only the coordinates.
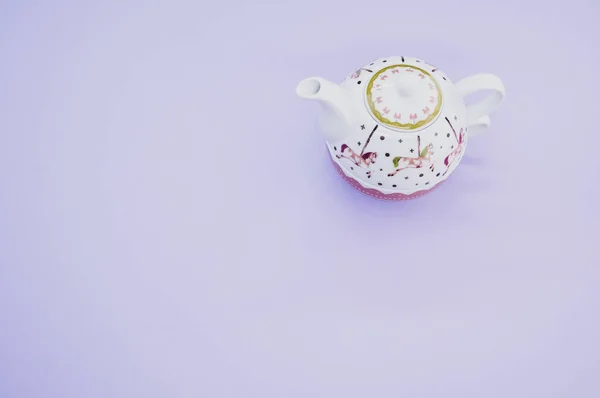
(432, 99)
(378, 100)
(426, 110)
(397, 116)
(384, 77)
(395, 71)
(356, 74)
(422, 76)
(386, 110)
(410, 70)
(431, 86)
(413, 117)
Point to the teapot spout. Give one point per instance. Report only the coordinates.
(335, 119)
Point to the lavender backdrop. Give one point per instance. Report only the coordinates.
(170, 225)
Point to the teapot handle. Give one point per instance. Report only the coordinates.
(477, 113)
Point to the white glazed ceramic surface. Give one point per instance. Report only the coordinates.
(398, 126)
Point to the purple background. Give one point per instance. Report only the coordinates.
(170, 225)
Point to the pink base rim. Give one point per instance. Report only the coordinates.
(374, 193)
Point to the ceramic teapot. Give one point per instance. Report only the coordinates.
(398, 127)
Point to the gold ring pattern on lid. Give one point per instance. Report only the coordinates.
(404, 97)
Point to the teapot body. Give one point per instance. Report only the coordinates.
(398, 127)
(400, 163)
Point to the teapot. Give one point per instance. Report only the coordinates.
(397, 127)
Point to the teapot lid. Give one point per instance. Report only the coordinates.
(403, 97)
